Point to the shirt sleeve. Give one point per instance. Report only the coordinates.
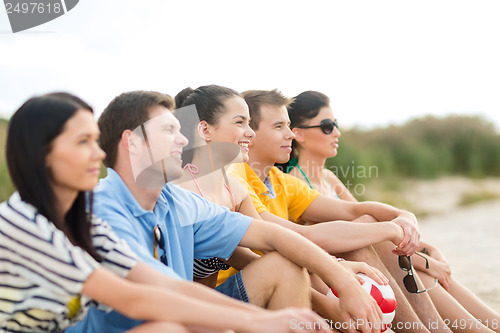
(299, 196)
(118, 257)
(125, 229)
(39, 252)
(217, 231)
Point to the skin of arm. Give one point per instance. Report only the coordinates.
(333, 237)
(342, 236)
(408, 221)
(355, 302)
(338, 186)
(325, 208)
(169, 303)
(148, 302)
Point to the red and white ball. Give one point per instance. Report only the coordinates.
(383, 295)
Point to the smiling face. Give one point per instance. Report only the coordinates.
(273, 138)
(233, 125)
(313, 140)
(158, 158)
(75, 157)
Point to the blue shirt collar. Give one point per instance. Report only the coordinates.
(270, 188)
(126, 197)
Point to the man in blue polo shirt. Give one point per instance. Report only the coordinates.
(168, 226)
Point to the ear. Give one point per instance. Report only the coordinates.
(299, 134)
(204, 131)
(130, 142)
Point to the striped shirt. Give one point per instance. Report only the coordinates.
(42, 273)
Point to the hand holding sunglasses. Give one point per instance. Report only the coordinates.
(326, 125)
(409, 280)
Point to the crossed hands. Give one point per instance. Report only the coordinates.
(411, 235)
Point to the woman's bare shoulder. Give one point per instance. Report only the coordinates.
(239, 191)
(329, 175)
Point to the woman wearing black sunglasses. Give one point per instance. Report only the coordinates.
(316, 139)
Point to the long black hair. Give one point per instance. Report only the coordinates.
(304, 106)
(31, 133)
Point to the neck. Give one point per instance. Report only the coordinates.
(261, 168)
(312, 165)
(145, 197)
(65, 198)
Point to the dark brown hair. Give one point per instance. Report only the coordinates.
(127, 112)
(32, 131)
(256, 98)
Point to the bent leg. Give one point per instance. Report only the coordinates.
(421, 303)
(274, 282)
(455, 315)
(475, 305)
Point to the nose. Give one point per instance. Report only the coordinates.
(289, 134)
(249, 132)
(98, 153)
(181, 140)
(336, 132)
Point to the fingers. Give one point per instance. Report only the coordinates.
(369, 322)
(375, 274)
(372, 272)
(347, 318)
(365, 316)
(411, 240)
(309, 322)
(446, 284)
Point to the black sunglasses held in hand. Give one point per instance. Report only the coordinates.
(409, 280)
(160, 240)
(326, 126)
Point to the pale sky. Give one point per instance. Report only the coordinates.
(380, 62)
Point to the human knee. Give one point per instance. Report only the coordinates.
(276, 263)
(366, 219)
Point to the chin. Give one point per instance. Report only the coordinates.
(283, 159)
(88, 188)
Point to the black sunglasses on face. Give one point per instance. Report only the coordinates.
(326, 126)
(409, 280)
(160, 240)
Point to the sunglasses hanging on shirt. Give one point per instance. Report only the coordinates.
(159, 240)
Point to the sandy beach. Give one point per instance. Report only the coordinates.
(467, 235)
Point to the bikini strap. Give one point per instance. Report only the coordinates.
(193, 170)
(232, 196)
(304, 174)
